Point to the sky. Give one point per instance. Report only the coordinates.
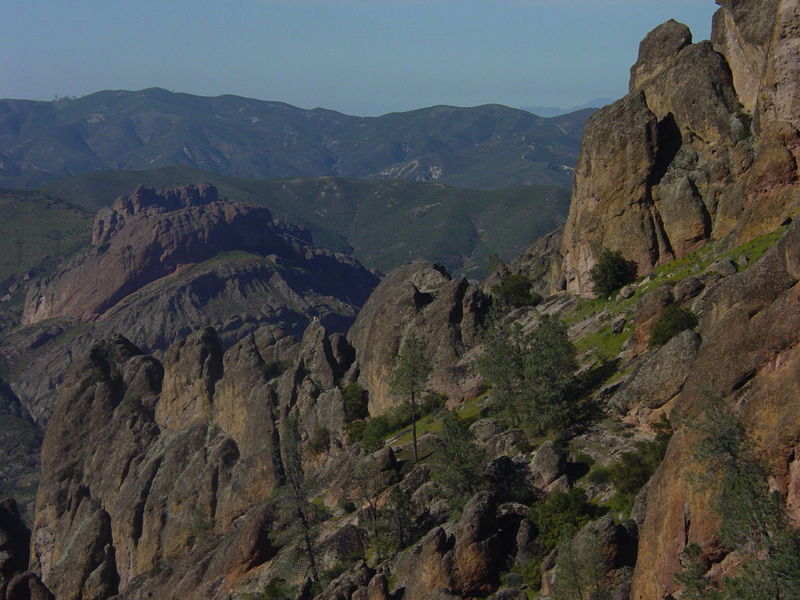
(359, 57)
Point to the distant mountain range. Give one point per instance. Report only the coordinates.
(384, 224)
(485, 147)
(554, 111)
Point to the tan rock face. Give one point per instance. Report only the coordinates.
(145, 465)
(761, 43)
(421, 299)
(661, 172)
(741, 32)
(749, 358)
(191, 369)
(612, 203)
(655, 51)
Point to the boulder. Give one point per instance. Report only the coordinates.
(27, 586)
(722, 266)
(549, 463)
(648, 311)
(660, 377)
(463, 563)
(687, 288)
(378, 588)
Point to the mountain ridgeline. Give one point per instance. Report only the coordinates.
(486, 147)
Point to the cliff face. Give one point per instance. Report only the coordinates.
(146, 462)
(703, 146)
(748, 358)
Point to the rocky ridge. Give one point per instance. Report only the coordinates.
(176, 261)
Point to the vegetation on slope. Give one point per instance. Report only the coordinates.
(37, 231)
(489, 147)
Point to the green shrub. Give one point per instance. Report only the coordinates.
(356, 402)
(276, 369)
(432, 403)
(611, 272)
(355, 431)
(671, 322)
(516, 291)
(561, 515)
(459, 466)
(201, 526)
(320, 440)
(634, 469)
(374, 433)
(275, 589)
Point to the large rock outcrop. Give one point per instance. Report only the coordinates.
(146, 464)
(148, 236)
(704, 146)
(419, 299)
(748, 359)
(462, 561)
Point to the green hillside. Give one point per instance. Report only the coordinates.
(37, 231)
(486, 147)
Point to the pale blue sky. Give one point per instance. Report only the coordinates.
(361, 57)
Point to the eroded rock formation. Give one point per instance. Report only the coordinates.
(146, 464)
(166, 264)
(704, 145)
(419, 299)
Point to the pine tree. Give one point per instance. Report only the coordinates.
(531, 373)
(459, 465)
(410, 378)
(298, 512)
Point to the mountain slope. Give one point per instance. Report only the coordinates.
(488, 146)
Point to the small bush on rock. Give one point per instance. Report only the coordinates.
(356, 402)
(671, 322)
(611, 272)
(516, 291)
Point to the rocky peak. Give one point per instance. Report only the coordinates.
(147, 237)
(109, 220)
(419, 299)
(663, 43)
(705, 145)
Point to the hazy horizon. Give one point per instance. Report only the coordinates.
(359, 57)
